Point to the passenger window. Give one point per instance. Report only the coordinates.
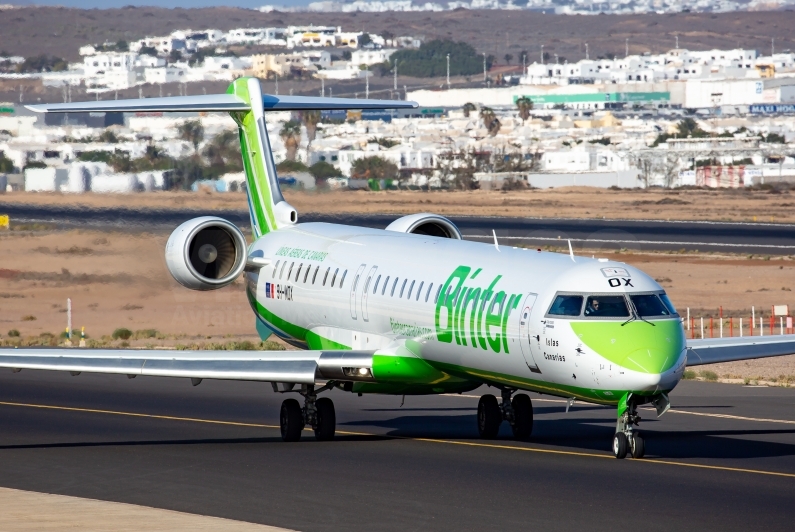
(649, 305)
(606, 307)
(455, 296)
(438, 291)
(342, 281)
(403, 287)
(447, 295)
(314, 276)
(566, 306)
(281, 272)
(375, 288)
(430, 287)
(419, 290)
(325, 277)
(334, 278)
(298, 273)
(386, 282)
(276, 268)
(289, 272)
(392, 293)
(408, 296)
(306, 275)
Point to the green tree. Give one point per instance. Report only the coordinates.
(223, 153)
(323, 170)
(148, 50)
(365, 39)
(430, 60)
(291, 136)
(374, 167)
(310, 119)
(108, 136)
(468, 108)
(192, 131)
(287, 166)
(6, 164)
(525, 105)
(122, 46)
(508, 59)
(174, 56)
(490, 121)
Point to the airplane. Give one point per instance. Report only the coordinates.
(410, 309)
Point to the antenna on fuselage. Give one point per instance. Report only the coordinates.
(571, 251)
(496, 246)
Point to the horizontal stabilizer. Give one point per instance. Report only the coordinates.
(219, 102)
(207, 102)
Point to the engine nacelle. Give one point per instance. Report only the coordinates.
(425, 223)
(206, 253)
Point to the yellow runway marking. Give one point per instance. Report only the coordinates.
(428, 440)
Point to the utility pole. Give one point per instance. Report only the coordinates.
(626, 47)
(277, 83)
(367, 85)
(394, 77)
(448, 71)
(21, 92)
(772, 46)
(484, 68)
(586, 51)
(331, 92)
(322, 87)
(542, 54)
(677, 41)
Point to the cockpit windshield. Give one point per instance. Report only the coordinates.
(612, 305)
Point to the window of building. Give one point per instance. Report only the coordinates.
(375, 288)
(276, 268)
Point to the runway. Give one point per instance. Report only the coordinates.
(591, 234)
(723, 458)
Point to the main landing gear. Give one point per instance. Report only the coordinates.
(317, 413)
(517, 411)
(626, 439)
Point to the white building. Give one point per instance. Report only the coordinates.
(163, 45)
(371, 57)
(166, 74)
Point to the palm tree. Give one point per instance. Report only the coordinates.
(490, 120)
(291, 136)
(508, 59)
(310, 120)
(525, 105)
(468, 108)
(192, 131)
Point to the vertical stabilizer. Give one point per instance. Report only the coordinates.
(267, 207)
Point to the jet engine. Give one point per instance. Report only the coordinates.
(206, 253)
(426, 224)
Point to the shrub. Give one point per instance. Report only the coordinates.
(145, 333)
(709, 375)
(122, 334)
(13, 333)
(689, 374)
(29, 318)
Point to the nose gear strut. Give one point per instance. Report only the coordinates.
(626, 439)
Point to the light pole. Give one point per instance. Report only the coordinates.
(322, 87)
(626, 47)
(484, 67)
(367, 85)
(277, 83)
(394, 77)
(586, 51)
(448, 71)
(677, 41)
(772, 46)
(542, 54)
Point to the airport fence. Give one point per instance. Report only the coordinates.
(779, 321)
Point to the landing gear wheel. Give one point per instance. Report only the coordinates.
(620, 445)
(489, 417)
(523, 416)
(291, 420)
(637, 446)
(326, 419)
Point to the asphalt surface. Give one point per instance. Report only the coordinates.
(214, 450)
(591, 234)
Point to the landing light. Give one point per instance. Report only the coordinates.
(363, 371)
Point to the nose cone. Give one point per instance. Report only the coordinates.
(637, 346)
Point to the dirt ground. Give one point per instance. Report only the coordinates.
(565, 202)
(119, 280)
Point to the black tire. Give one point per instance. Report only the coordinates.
(489, 417)
(291, 420)
(637, 446)
(326, 419)
(523, 416)
(620, 445)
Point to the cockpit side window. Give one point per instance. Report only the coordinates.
(606, 307)
(667, 302)
(649, 305)
(566, 305)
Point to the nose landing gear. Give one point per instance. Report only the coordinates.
(317, 413)
(517, 411)
(626, 439)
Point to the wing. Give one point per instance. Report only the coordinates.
(299, 367)
(711, 351)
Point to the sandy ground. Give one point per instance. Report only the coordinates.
(567, 202)
(26, 511)
(120, 280)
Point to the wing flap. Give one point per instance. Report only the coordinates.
(300, 367)
(714, 350)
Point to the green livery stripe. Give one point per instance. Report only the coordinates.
(252, 150)
(312, 339)
(637, 346)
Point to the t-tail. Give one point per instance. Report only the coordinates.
(247, 105)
